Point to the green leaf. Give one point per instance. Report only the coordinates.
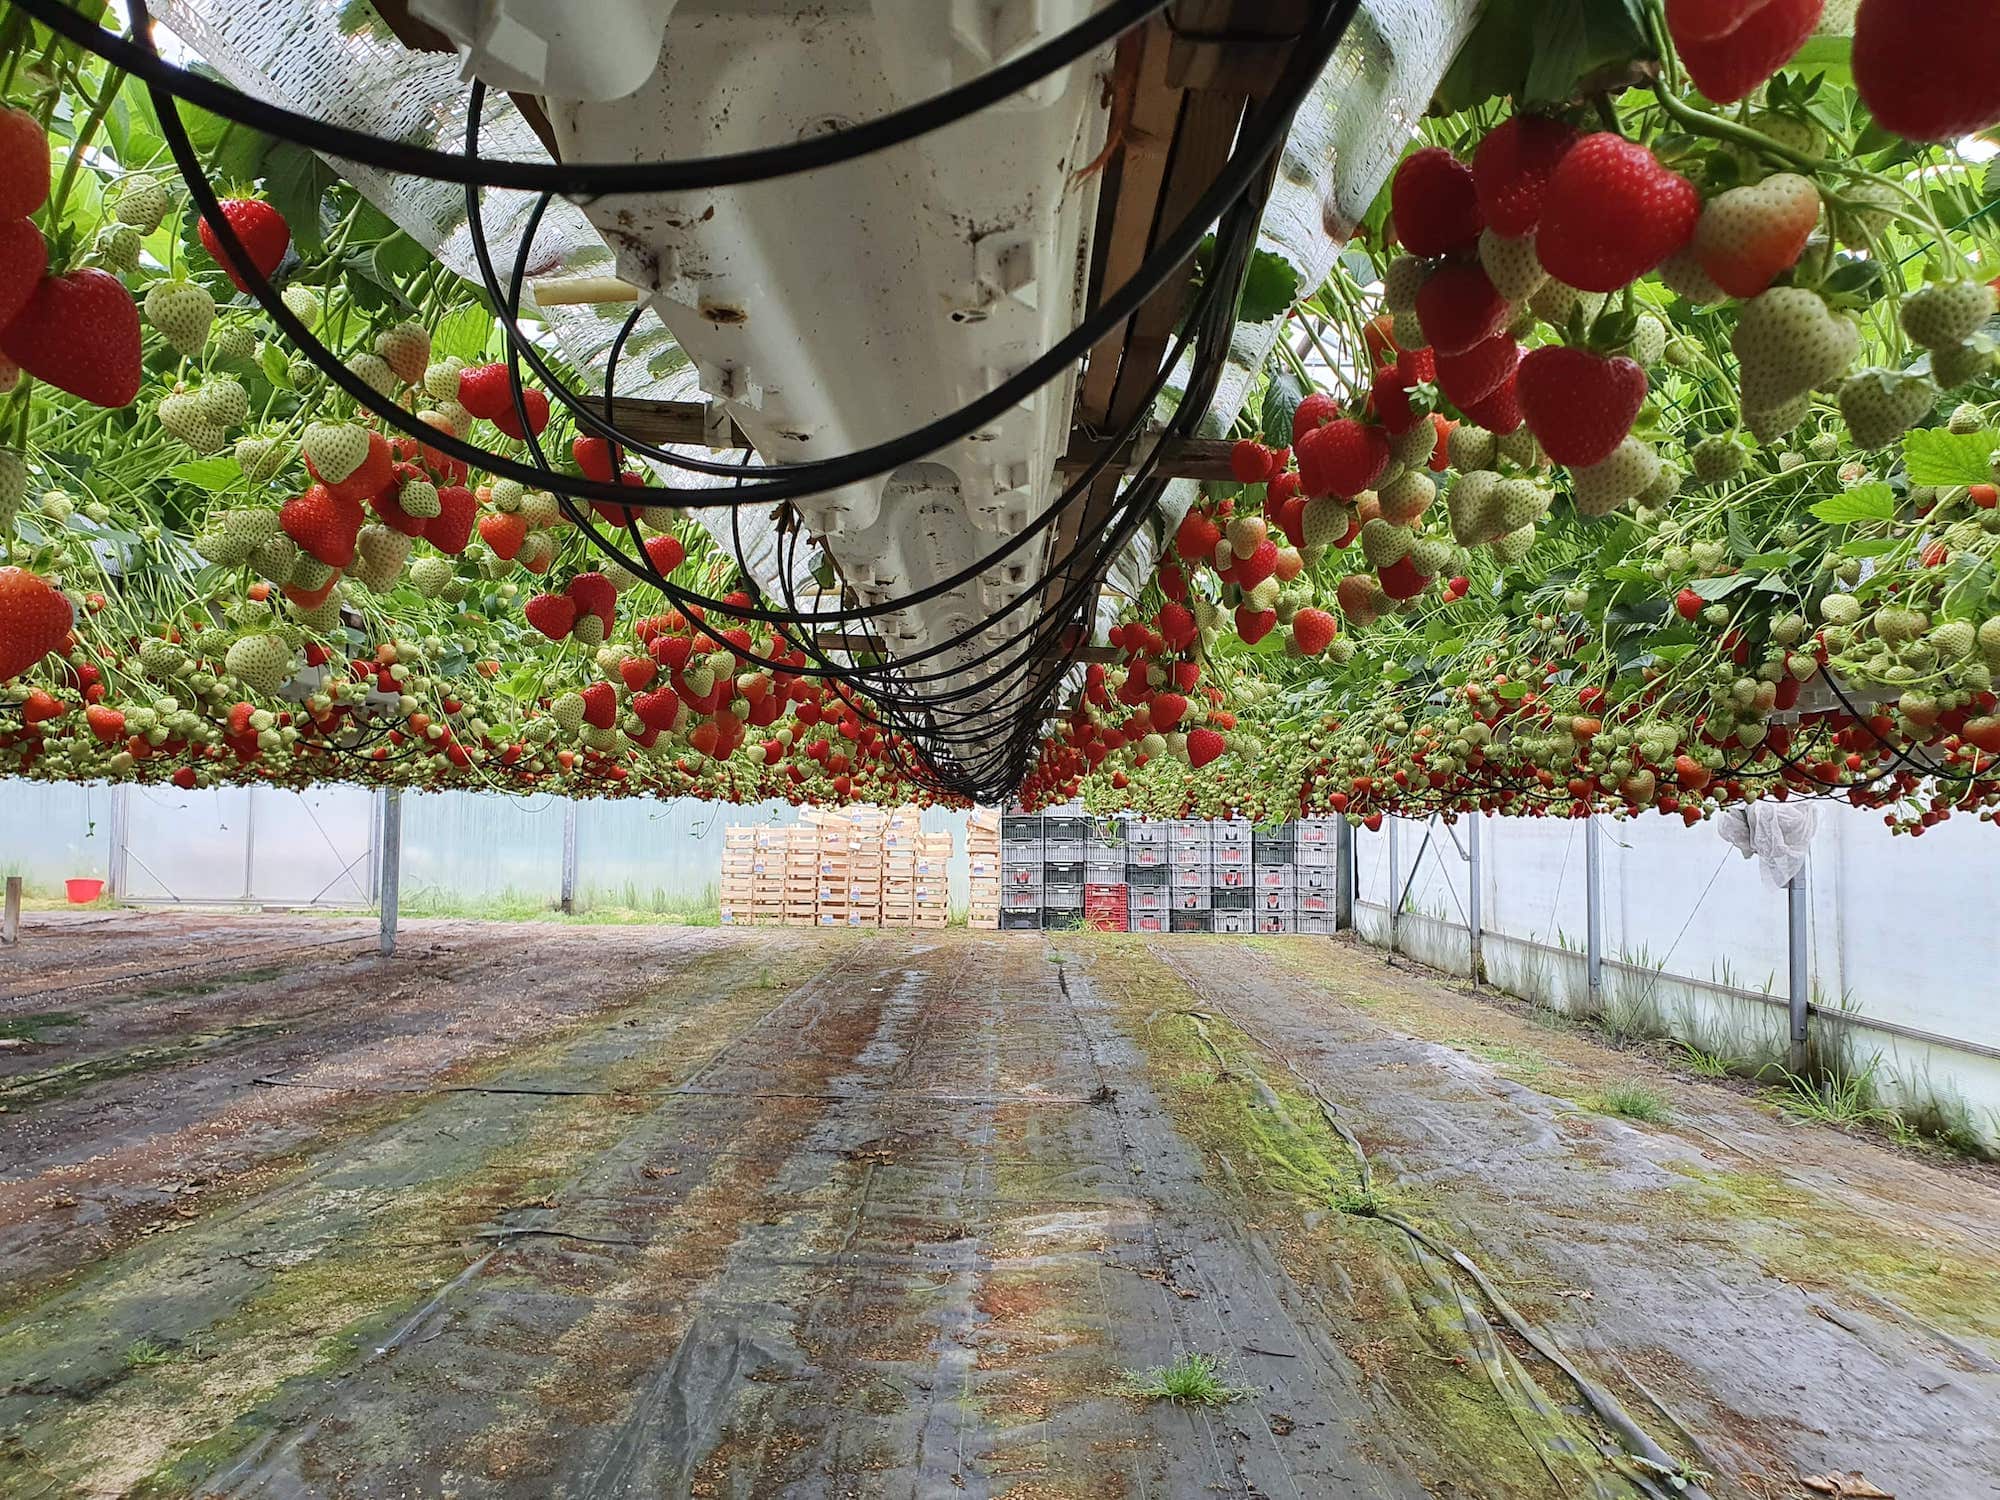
(1869, 546)
(462, 335)
(1281, 401)
(1269, 288)
(399, 257)
(1935, 456)
(1512, 690)
(1713, 589)
(277, 369)
(1830, 56)
(294, 181)
(211, 474)
(1868, 502)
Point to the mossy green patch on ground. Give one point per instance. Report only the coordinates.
(36, 1028)
(1814, 1241)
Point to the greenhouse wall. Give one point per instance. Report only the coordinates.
(1696, 941)
(465, 853)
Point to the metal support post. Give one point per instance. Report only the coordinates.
(121, 824)
(1395, 887)
(1343, 876)
(1472, 894)
(1593, 889)
(10, 923)
(1798, 907)
(392, 865)
(569, 858)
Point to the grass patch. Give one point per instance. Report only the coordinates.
(144, 1354)
(31, 1028)
(1362, 1202)
(1191, 1380)
(1847, 1101)
(1632, 1101)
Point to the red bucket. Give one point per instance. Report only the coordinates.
(83, 892)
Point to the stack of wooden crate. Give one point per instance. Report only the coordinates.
(899, 868)
(836, 843)
(739, 860)
(802, 876)
(770, 850)
(982, 850)
(865, 869)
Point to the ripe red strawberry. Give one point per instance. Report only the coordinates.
(1253, 625)
(324, 526)
(595, 594)
(1177, 626)
(1478, 372)
(376, 473)
(1259, 565)
(107, 724)
(1749, 236)
(24, 165)
(1499, 411)
(1203, 746)
(1731, 66)
(1342, 458)
(592, 454)
(1708, 20)
(450, 530)
(34, 620)
(23, 261)
(1316, 410)
(1313, 631)
(1612, 214)
(1925, 68)
(484, 391)
(1167, 709)
(1250, 462)
(260, 227)
(1417, 366)
(554, 615)
(1196, 537)
(659, 710)
(1458, 307)
(600, 705)
(1434, 203)
(637, 672)
(503, 532)
(1389, 403)
(1512, 167)
(509, 421)
(80, 333)
(1579, 405)
(1688, 604)
(665, 552)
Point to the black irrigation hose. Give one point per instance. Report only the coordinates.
(590, 179)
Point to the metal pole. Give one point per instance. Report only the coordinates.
(392, 865)
(120, 830)
(1797, 910)
(569, 858)
(1343, 876)
(249, 839)
(1395, 888)
(1593, 885)
(1472, 892)
(10, 924)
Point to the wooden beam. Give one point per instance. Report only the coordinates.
(1219, 44)
(420, 36)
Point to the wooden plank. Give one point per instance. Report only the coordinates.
(1222, 44)
(420, 36)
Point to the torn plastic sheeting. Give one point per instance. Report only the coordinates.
(1778, 835)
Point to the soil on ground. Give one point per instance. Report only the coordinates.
(535, 1211)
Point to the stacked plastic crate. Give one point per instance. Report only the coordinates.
(1149, 874)
(1021, 872)
(1190, 900)
(982, 859)
(1275, 877)
(1065, 842)
(1106, 903)
(1317, 863)
(1232, 890)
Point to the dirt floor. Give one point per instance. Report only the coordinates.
(538, 1211)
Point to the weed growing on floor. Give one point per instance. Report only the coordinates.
(1362, 1202)
(1191, 1380)
(1845, 1101)
(1708, 1064)
(144, 1354)
(1633, 1101)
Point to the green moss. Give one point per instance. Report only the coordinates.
(32, 1028)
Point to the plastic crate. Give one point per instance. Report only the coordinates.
(1149, 921)
(1187, 832)
(1191, 921)
(1022, 898)
(1235, 922)
(1065, 830)
(1146, 875)
(1019, 877)
(1189, 880)
(1276, 877)
(1315, 880)
(1240, 899)
(1188, 856)
(1272, 902)
(1062, 872)
(1230, 833)
(1063, 897)
(1145, 831)
(1146, 857)
(1318, 831)
(1273, 922)
(1315, 903)
(1318, 924)
(1316, 857)
(1104, 869)
(1021, 826)
(1274, 854)
(1191, 900)
(1029, 920)
(1230, 856)
(1230, 880)
(1149, 898)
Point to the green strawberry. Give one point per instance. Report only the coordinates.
(310, 573)
(261, 458)
(419, 498)
(1511, 265)
(1325, 522)
(118, 247)
(142, 203)
(1881, 405)
(1718, 459)
(1947, 312)
(323, 618)
(182, 312)
(441, 379)
(1406, 497)
(185, 417)
(380, 553)
(1789, 342)
(13, 483)
(1401, 283)
(335, 449)
(304, 304)
(1520, 447)
(1966, 417)
(1515, 546)
(1954, 640)
(263, 662)
(374, 371)
(1516, 503)
(235, 344)
(539, 508)
(1469, 504)
(1604, 486)
(1769, 426)
(1413, 449)
(1555, 301)
(430, 576)
(567, 711)
(1430, 556)
(1648, 344)
(1471, 447)
(235, 536)
(1384, 543)
(225, 401)
(1960, 364)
